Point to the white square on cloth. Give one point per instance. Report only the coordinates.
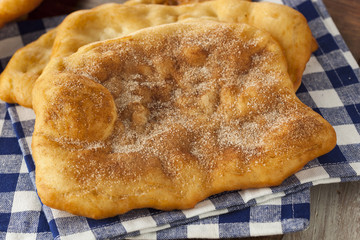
(25, 114)
(139, 223)
(1, 124)
(346, 134)
(266, 228)
(57, 214)
(20, 236)
(202, 207)
(9, 45)
(23, 168)
(197, 231)
(88, 235)
(312, 174)
(330, 25)
(351, 60)
(25, 201)
(252, 193)
(326, 98)
(356, 167)
(313, 66)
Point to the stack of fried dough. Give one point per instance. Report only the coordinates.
(157, 105)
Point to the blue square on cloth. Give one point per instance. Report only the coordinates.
(29, 163)
(9, 146)
(53, 228)
(43, 226)
(4, 221)
(354, 112)
(340, 77)
(30, 26)
(347, 75)
(19, 130)
(234, 217)
(300, 210)
(31, 30)
(308, 10)
(335, 156)
(8, 182)
(326, 44)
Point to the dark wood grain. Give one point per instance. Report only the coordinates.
(346, 15)
(335, 208)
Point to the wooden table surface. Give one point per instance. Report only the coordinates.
(335, 208)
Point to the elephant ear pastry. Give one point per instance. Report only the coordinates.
(167, 116)
(12, 9)
(286, 25)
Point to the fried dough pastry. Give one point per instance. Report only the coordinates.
(12, 9)
(26, 65)
(167, 116)
(108, 21)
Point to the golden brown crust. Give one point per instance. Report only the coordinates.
(286, 25)
(12, 9)
(180, 112)
(26, 65)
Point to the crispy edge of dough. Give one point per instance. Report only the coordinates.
(12, 9)
(26, 65)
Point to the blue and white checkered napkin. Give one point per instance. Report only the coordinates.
(330, 86)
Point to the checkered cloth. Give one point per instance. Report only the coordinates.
(330, 86)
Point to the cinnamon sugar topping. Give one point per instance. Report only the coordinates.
(203, 94)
